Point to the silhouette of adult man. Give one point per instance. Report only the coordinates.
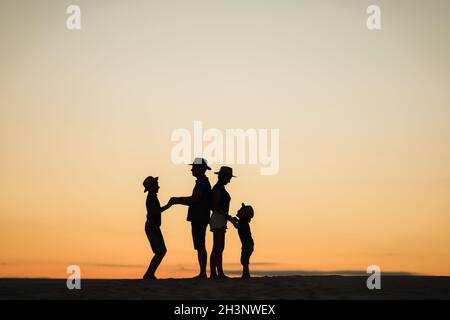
(199, 204)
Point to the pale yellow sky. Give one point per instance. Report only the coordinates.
(363, 116)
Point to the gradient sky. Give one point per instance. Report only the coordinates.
(363, 116)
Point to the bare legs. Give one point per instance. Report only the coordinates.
(216, 254)
(245, 272)
(202, 260)
(154, 264)
(247, 249)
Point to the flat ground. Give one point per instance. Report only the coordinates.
(289, 287)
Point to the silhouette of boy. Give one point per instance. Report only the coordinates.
(153, 224)
(242, 223)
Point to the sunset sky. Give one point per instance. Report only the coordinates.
(364, 120)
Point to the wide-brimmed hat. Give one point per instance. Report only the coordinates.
(200, 162)
(148, 182)
(226, 171)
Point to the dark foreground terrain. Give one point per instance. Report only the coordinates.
(289, 287)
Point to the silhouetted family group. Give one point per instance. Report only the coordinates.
(200, 204)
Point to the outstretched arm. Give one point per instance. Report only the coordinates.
(235, 222)
(157, 208)
(167, 206)
(186, 201)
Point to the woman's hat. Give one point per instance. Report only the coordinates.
(226, 171)
(148, 182)
(200, 162)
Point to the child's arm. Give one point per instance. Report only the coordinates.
(167, 206)
(235, 222)
(155, 207)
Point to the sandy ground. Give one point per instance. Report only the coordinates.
(284, 287)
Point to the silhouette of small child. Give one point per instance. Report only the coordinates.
(153, 224)
(245, 215)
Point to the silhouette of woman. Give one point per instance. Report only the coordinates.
(220, 204)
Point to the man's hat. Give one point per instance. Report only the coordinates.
(248, 210)
(226, 171)
(148, 182)
(200, 162)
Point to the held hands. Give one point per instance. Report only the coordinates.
(172, 201)
(234, 221)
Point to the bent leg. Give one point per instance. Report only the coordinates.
(156, 240)
(154, 264)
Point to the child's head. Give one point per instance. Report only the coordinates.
(151, 185)
(245, 212)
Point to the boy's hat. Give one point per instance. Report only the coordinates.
(248, 210)
(200, 162)
(148, 182)
(226, 171)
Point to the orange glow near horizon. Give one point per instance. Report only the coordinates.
(363, 116)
